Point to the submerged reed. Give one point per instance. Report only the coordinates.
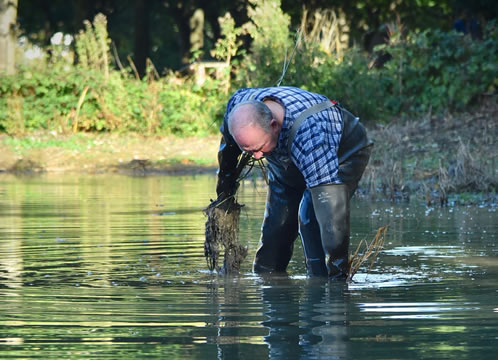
(222, 227)
(222, 230)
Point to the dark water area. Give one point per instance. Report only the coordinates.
(107, 267)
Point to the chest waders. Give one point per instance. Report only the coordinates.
(320, 214)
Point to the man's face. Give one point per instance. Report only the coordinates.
(255, 140)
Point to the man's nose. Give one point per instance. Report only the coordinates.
(257, 155)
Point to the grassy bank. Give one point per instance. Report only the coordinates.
(434, 159)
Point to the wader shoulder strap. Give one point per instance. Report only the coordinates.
(303, 116)
(253, 95)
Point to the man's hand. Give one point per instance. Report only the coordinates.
(226, 203)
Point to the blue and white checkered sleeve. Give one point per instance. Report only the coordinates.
(315, 148)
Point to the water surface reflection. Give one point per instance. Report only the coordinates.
(111, 267)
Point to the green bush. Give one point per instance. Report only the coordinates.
(49, 99)
(91, 96)
(350, 82)
(436, 70)
(347, 79)
(47, 94)
(271, 38)
(429, 71)
(191, 110)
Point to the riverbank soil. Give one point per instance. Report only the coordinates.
(432, 157)
(102, 153)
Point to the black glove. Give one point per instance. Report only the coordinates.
(331, 205)
(228, 158)
(228, 155)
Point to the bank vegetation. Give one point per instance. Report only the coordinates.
(428, 97)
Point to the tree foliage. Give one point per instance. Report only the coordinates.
(432, 70)
(169, 20)
(439, 70)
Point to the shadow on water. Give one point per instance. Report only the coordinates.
(113, 267)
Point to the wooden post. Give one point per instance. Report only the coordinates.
(199, 69)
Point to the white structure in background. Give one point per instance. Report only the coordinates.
(60, 47)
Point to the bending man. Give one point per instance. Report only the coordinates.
(316, 153)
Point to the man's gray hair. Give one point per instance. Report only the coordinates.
(261, 115)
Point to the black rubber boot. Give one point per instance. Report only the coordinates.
(310, 238)
(279, 229)
(331, 205)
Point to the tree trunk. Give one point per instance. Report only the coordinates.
(182, 15)
(8, 17)
(142, 35)
(197, 31)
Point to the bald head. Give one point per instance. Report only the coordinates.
(254, 128)
(249, 113)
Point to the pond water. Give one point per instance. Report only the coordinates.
(98, 267)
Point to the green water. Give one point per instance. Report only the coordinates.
(106, 267)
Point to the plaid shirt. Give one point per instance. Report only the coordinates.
(315, 146)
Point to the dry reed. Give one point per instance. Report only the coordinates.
(326, 28)
(371, 251)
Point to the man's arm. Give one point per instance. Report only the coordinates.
(228, 156)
